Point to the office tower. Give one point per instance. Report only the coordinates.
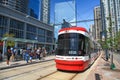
(34, 8)
(29, 32)
(111, 15)
(97, 22)
(92, 30)
(45, 11)
(20, 5)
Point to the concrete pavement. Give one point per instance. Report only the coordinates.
(3, 64)
(102, 71)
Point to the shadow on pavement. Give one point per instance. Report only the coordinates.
(115, 70)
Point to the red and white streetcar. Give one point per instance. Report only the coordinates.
(76, 51)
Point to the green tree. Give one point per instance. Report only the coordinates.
(117, 41)
(9, 42)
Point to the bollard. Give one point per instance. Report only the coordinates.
(106, 54)
(112, 66)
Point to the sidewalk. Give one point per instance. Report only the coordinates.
(102, 71)
(3, 64)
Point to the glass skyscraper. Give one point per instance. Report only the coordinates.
(20, 5)
(45, 11)
(27, 30)
(40, 9)
(97, 23)
(34, 8)
(111, 10)
(64, 10)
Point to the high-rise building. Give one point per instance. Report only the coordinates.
(62, 9)
(34, 8)
(97, 22)
(65, 10)
(29, 32)
(116, 4)
(111, 15)
(20, 5)
(45, 11)
(92, 30)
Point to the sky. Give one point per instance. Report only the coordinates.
(85, 11)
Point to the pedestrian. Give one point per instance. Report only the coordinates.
(43, 54)
(31, 55)
(23, 53)
(12, 58)
(0, 55)
(8, 55)
(35, 53)
(38, 53)
(27, 55)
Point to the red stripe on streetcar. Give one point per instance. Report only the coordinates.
(73, 28)
(72, 65)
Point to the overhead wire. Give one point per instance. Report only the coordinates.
(75, 11)
(87, 20)
(76, 14)
(71, 8)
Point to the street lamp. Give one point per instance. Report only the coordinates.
(36, 40)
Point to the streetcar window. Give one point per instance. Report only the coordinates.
(71, 44)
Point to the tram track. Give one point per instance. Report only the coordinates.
(21, 67)
(41, 77)
(14, 66)
(28, 71)
(25, 70)
(59, 75)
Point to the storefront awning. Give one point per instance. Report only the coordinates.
(19, 40)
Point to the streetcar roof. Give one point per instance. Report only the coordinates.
(74, 28)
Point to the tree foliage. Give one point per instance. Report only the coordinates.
(117, 41)
(9, 43)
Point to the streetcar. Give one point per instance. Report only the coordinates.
(76, 51)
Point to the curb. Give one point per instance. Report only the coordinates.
(8, 67)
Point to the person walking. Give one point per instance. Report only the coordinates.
(23, 53)
(12, 58)
(0, 55)
(27, 55)
(8, 55)
(31, 55)
(43, 54)
(38, 53)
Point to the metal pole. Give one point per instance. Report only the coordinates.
(75, 11)
(106, 52)
(112, 66)
(4, 44)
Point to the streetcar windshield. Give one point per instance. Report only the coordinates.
(71, 44)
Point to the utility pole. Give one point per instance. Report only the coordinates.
(112, 66)
(75, 11)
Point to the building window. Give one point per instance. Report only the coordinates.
(30, 36)
(3, 21)
(50, 33)
(41, 38)
(3, 25)
(49, 39)
(17, 28)
(31, 29)
(49, 36)
(41, 32)
(2, 31)
(16, 24)
(17, 33)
